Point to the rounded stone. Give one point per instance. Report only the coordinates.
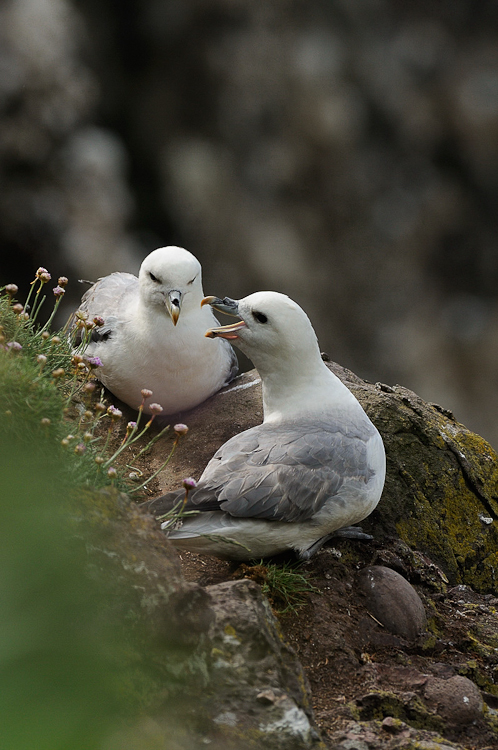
(392, 601)
(456, 700)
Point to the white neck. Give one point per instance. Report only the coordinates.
(308, 387)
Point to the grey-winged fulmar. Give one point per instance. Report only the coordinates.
(314, 466)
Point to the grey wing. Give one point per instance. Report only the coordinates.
(108, 298)
(109, 295)
(284, 473)
(233, 368)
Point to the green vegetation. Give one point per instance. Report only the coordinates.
(47, 396)
(285, 588)
(79, 659)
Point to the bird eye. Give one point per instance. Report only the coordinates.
(260, 317)
(154, 278)
(192, 280)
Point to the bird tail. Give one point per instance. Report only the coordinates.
(165, 504)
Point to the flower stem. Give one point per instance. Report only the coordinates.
(29, 294)
(37, 307)
(49, 321)
(151, 442)
(135, 489)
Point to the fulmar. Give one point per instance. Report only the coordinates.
(153, 333)
(316, 464)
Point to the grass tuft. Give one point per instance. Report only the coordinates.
(284, 586)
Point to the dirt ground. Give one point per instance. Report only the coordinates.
(355, 667)
(348, 656)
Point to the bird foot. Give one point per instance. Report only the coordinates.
(347, 532)
(352, 532)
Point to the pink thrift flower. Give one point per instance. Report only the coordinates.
(114, 413)
(93, 362)
(180, 429)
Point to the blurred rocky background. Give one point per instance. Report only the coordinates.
(344, 152)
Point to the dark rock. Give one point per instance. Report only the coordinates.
(403, 678)
(259, 685)
(67, 196)
(218, 648)
(388, 734)
(457, 700)
(392, 601)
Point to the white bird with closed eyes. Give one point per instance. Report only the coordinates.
(154, 333)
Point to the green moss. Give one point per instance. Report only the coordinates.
(441, 481)
(446, 523)
(491, 719)
(429, 642)
(379, 704)
(471, 670)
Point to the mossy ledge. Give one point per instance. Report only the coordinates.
(441, 491)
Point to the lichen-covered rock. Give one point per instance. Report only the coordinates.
(393, 601)
(406, 706)
(140, 576)
(441, 490)
(258, 687)
(217, 651)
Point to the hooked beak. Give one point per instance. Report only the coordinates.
(226, 305)
(229, 307)
(173, 303)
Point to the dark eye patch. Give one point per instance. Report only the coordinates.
(192, 280)
(154, 278)
(260, 317)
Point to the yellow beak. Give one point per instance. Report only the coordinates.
(226, 332)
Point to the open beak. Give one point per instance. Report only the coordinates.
(229, 307)
(173, 302)
(226, 332)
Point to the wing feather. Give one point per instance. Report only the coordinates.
(109, 298)
(285, 472)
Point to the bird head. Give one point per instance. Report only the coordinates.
(170, 277)
(271, 327)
